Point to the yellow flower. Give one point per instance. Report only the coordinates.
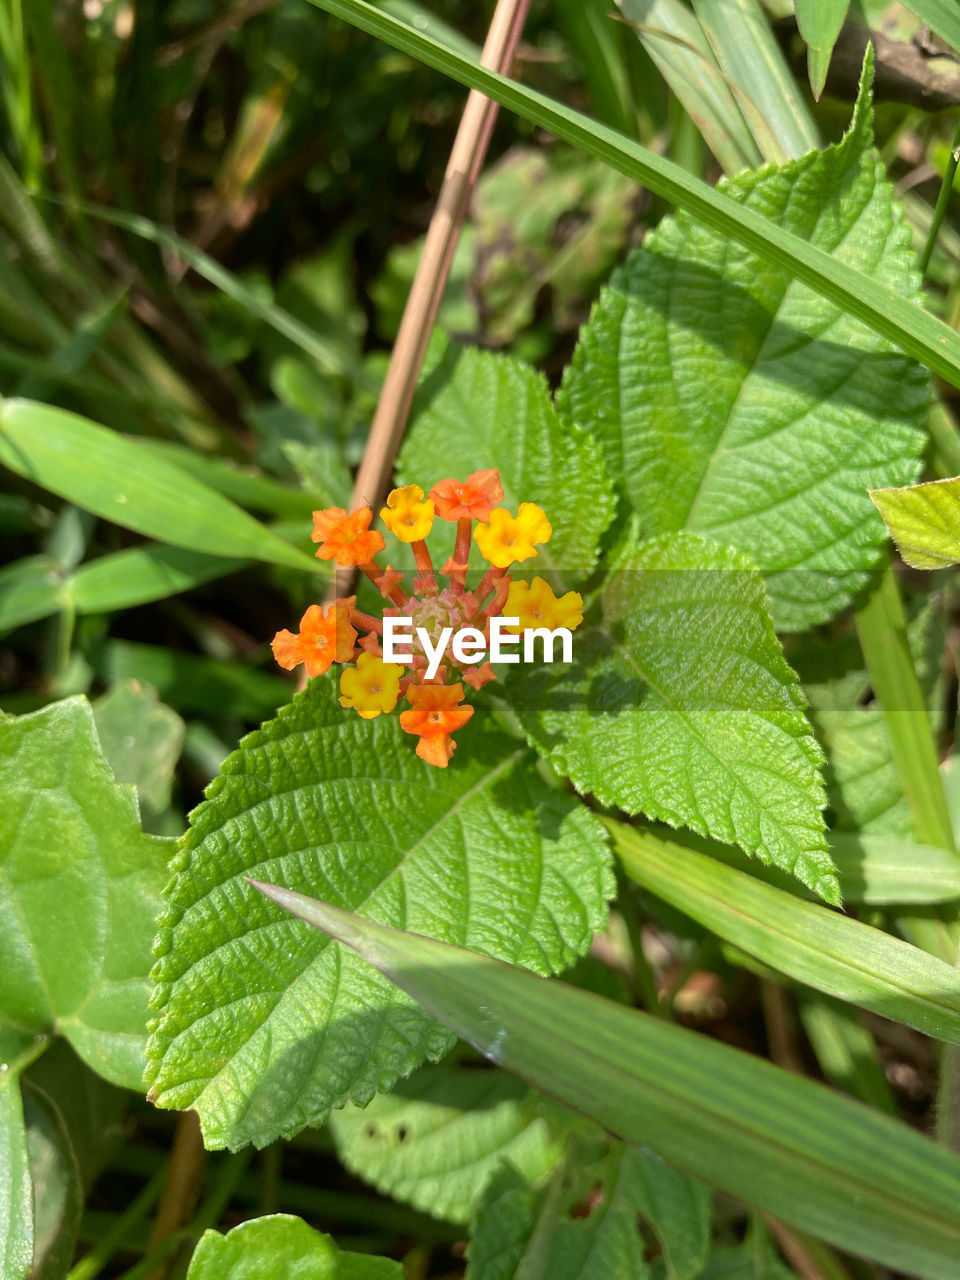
(508, 539)
(536, 606)
(372, 686)
(407, 514)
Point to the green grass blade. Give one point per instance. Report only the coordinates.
(104, 473)
(809, 943)
(757, 72)
(816, 1159)
(916, 331)
(820, 22)
(327, 355)
(941, 16)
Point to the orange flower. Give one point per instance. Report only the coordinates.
(471, 499)
(508, 539)
(325, 637)
(435, 716)
(346, 539)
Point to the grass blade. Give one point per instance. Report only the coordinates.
(914, 330)
(812, 944)
(781, 1142)
(102, 472)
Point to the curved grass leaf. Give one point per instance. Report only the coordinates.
(679, 679)
(940, 16)
(281, 1247)
(924, 521)
(255, 1026)
(111, 476)
(733, 402)
(474, 410)
(781, 1142)
(855, 291)
(437, 1138)
(79, 889)
(828, 951)
(886, 870)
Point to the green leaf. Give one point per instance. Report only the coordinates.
(254, 1026)
(882, 870)
(732, 402)
(830, 952)
(140, 575)
(940, 16)
(282, 1247)
(779, 1141)
(16, 1192)
(584, 1225)
(681, 681)
(820, 22)
(435, 1141)
(862, 781)
(855, 291)
(142, 739)
(103, 472)
(475, 410)
(79, 889)
(29, 589)
(924, 521)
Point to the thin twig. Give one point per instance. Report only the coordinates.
(182, 1186)
(463, 168)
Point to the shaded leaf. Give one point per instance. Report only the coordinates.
(142, 739)
(256, 1025)
(16, 1195)
(79, 889)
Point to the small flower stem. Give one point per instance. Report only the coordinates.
(490, 581)
(461, 555)
(943, 200)
(421, 556)
(366, 622)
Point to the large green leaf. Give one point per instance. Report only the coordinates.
(680, 705)
(585, 1224)
(924, 521)
(825, 950)
(435, 1141)
(102, 472)
(856, 291)
(731, 401)
(282, 1247)
(784, 1143)
(255, 1027)
(16, 1196)
(475, 410)
(79, 889)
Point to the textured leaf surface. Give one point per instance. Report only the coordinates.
(924, 521)
(282, 1247)
(781, 1142)
(824, 949)
(79, 889)
(475, 410)
(263, 1025)
(16, 1198)
(731, 401)
(585, 1224)
(680, 680)
(436, 1140)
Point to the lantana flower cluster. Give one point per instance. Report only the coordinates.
(339, 632)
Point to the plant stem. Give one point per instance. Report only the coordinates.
(644, 982)
(180, 1190)
(93, 1263)
(943, 200)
